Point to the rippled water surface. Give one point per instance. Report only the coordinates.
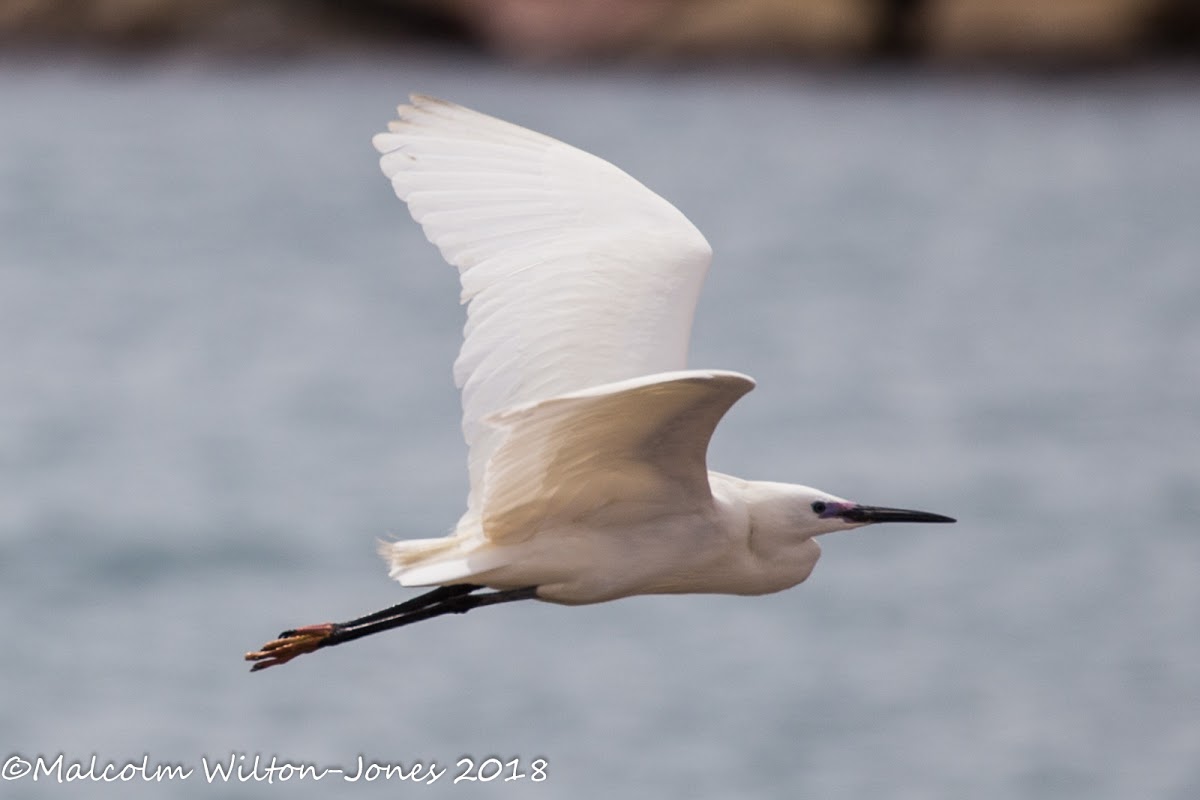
(225, 372)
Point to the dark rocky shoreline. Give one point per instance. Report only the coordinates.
(1008, 32)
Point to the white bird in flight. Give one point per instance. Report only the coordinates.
(587, 432)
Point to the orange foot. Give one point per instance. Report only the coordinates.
(290, 644)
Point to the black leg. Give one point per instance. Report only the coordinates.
(415, 604)
(459, 604)
(454, 599)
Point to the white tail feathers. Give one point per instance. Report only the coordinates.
(402, 557)
(443, 561)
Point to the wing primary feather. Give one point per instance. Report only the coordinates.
(575, 275)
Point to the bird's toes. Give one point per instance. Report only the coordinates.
(321, 629)
(290, 644)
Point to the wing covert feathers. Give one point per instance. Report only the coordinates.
(636, 442)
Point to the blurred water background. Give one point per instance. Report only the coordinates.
(225, 372)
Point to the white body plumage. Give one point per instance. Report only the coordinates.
(587, 435)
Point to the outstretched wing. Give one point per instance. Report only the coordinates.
(614, 448)
(574, 274)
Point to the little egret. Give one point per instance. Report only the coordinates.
(587, 434)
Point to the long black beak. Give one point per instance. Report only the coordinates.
(879, 514)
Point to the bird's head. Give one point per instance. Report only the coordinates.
(812, 512)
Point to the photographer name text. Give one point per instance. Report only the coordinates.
(256, 768)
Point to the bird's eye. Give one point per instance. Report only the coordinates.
(819, 507)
